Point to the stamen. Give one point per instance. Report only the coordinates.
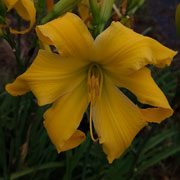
(95, 83)
(90, 125)
(97, 86)
(93, 96)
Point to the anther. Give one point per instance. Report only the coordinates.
(97, 86)
(93, 82)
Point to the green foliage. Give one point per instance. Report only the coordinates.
(133, 6)
(2, 12)
(105, 13)
(59, 9)
(177, 19)
(167, 79)
(26, 152)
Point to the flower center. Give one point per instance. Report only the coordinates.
(95, 83)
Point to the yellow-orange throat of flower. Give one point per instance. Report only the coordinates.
(95, 83)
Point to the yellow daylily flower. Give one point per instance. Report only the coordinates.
(84, 10)
(26, 9)
(90, 71)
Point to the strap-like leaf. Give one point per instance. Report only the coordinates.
(178, 20)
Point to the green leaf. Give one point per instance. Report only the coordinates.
(2, 9)
(146, 31)
(158, 157)
(177, 19)
(159, 138)
(79, 152)
(133, 6)
(37, 168)
(59, 9)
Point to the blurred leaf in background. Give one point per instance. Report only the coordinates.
(177, 20)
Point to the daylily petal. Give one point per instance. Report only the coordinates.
(75, 140)
(44, 46)
(49, 77)
(147, 92)
(64, 117)
(123, 51)
(117, 120)
(21, 9)
(9, 3)
(83, 9)
(26, 9)
(156, 115)
(68, 34)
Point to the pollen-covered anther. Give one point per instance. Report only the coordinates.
(97, 86)
(95, 80)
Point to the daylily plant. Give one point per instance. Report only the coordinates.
(88, 71)
(50, 4)
(26, 9)
(84, 10)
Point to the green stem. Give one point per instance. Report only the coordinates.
(32, 48)
(96, 15)
(95, 11)
(18, 51)
(69, 168)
